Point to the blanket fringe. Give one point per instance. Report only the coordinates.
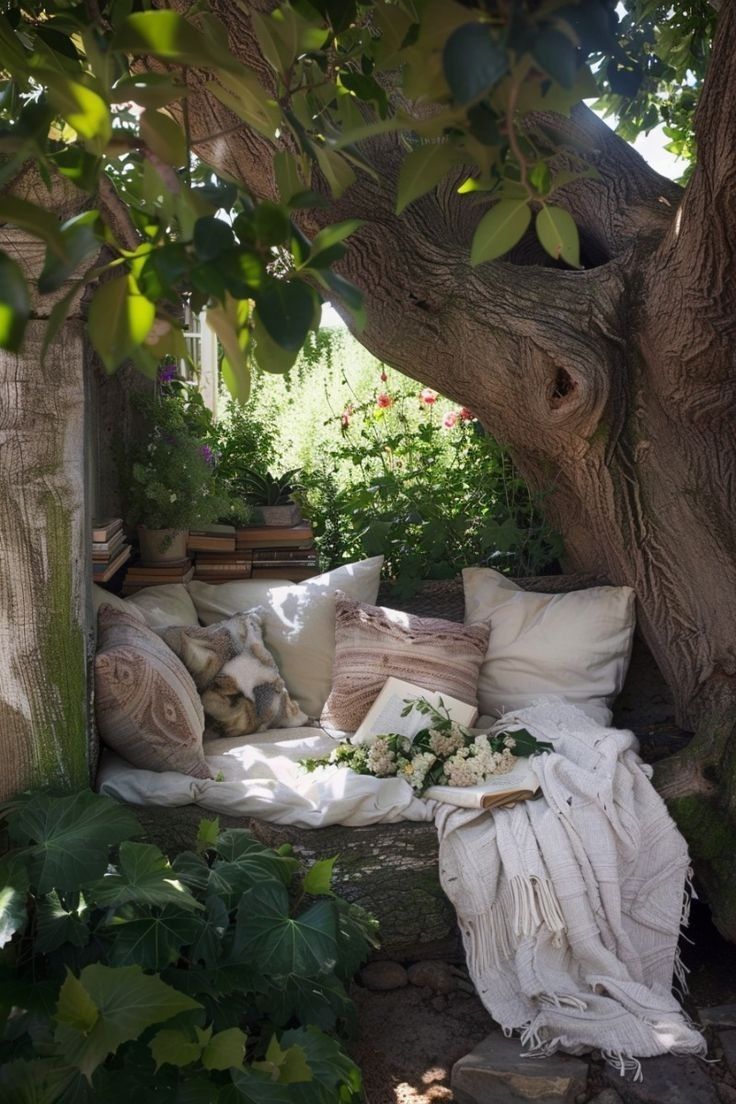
(624, 1064)
(524, 904)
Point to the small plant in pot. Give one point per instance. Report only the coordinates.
(173, 484)
(272, 495)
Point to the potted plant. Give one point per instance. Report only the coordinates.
(273, 495)
(173, 483)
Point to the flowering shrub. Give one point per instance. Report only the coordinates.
(444, 753)
(420, 482)
(173, 480)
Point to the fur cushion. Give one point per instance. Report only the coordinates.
(147, 706)
(236, 675)
(373, 643)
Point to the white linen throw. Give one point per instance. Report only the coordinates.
(570, 907)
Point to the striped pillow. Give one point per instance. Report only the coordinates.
(373, 643)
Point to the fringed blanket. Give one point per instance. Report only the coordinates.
(570, 906)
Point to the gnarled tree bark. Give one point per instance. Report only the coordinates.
(613, 387)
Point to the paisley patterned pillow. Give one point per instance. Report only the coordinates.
(148, 709)
(241, 687)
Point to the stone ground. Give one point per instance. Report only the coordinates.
(425, 1019)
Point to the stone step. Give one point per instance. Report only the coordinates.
(498, 1072)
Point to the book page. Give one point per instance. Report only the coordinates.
(385, 713)
(520, 781)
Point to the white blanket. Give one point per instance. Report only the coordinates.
(570, 906)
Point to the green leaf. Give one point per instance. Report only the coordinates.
(329, 236)
(82, 238)
(270, 356)
(57, 317)
(173, 1047)
(557, 55)
(499, 230)
(155, 940)
(229, 880)
(79, 166)
(15, 304)
(230, 323)
(164, 137)
(75, 1006)
(329, 1065)
(422, 170)
(56, 925)
(169, 37)
(245, 96)
(207, 833)
(288, 175)
(119, 320)
(286, 308)
(254, 1087)
(264, 930)
(212, 236)
(335, 169)
(68, 838)
(225, 1050)
(143, 877)
(473, 63)
(13, 893)
(150, 90)
(290, 1065)
(271, 223)
(82, 108)
(34, 220)
(127, 1000)
(558, 234)
(318, 879)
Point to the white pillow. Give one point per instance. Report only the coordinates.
(102, 597)
(162, 606)
(576, 646)
(298, 621)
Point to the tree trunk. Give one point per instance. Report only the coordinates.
(44, 550)
(612, 387)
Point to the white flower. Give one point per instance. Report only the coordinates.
(172, 498)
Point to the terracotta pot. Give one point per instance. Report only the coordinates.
(280, 515)
(162, 545)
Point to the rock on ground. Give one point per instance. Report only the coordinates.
(497, 1072)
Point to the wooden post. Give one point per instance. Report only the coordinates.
(45, 587)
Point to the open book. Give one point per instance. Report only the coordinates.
(385, 713)
(518, 784)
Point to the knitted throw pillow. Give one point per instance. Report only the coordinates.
(241, 687)
(373, 643)
(147, 707)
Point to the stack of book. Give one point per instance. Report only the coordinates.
(216, 558)
(279, 552)
(110, 550)
(142, 574)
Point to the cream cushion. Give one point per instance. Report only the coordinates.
(575, 646)
(147, 706)
(373, 643)
(165, 605)
(102, 597)
(298, 621)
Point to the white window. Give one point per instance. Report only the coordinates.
(201, 342)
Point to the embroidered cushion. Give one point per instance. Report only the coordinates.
(575, 646)
(373, 643)
(147, 706)
(236, 675)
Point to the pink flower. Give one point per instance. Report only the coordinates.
(346, 416)
(466, 415)
(450, 419)
(384, 377)
(383, 401)
(428, 396)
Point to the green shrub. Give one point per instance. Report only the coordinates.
(213, 979)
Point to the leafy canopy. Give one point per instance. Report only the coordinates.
(103, 92)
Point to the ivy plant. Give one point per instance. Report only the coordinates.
(218, 977)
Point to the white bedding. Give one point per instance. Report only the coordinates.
(264, 779)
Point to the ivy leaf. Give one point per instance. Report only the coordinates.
(15, 304)
(329, 1065)
(155, 940)
(499, 230)
(225, 1050)
(207, 834)
(229, 880)
(120, 319)
(281, 945)
(254, 1087)
(126, 1002)
(172, 1046)
(164, 137)
(473, 63)
(422, 170)
(318, 879)
(286, 308)
(143, 877)
(558, 234)
(290, 1065)
(69, 838)
(56, 925)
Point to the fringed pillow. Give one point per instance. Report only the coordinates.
(240, 685)
(373, 643)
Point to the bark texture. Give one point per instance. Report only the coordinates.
(44, 549)
(613, 387)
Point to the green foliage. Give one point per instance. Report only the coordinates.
(210, 977)
(244, 441)
(71, 100)
(267, 489)
(172, 478)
